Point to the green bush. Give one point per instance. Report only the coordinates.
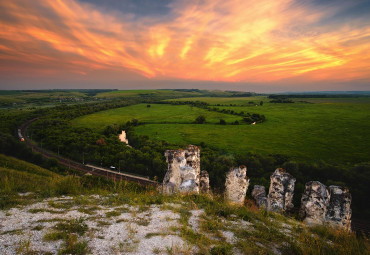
(200, 119)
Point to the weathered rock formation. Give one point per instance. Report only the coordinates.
(339, 210)
(122, 137)
(259, 194)
(331, 205)
(183, 170)
(236, 184)
(204, 182)
(281, 191)
(314, 203)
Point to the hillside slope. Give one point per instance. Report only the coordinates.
(45, 213)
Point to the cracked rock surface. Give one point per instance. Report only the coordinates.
(339, 210)
(183, 174)
(314, 203)
(236, 184)
(280, 197)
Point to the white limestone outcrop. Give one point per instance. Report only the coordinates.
(339, 210)
(236, 184)
(280, 197)
(122, 137)
(183, 172)
(314, 203)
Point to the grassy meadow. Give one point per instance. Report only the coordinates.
(155, 114)
(333, 130)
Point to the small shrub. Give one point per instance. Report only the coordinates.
(54, 236)
(73, 246)
(200, 119)
(77, 226)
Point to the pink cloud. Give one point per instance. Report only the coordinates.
(239, 41)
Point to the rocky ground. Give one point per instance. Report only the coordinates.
(90, 224)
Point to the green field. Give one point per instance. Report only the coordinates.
(330, 130)
(156, 114)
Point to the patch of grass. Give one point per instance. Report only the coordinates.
(83, 200)
(121, 220)
(128, 246)
(175, 249)
(102, 223)
(156, 250)
(73, 246)
(77, 226)
(12, 232)
(150, 235)
(142, 221)
(225, 249)
(51, 220)
(63, 205)
(329, 241)
(54, 236)
(88, 210)
(38, 210)
(113, 214)
(38, 227)
(64, 229)
(131, 231)
(23, 166)
(24, 247)
(211, 224)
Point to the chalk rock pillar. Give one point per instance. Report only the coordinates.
(183, 170)
(236, 184)
(339, 210)
(204, 182)
(281, 191)
(314, 203)
(259, 194)
(192, 155)
(123, 138)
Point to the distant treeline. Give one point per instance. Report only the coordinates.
(285, 96)
(226, 93)
(247, 117)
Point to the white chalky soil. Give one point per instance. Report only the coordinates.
(132, 232)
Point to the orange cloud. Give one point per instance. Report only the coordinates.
(248, 41)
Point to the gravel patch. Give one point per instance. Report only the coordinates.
(134, 231)
(194, 219)
(109, 229)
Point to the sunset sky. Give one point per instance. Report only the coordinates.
(248, 45)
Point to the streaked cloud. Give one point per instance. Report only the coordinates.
(209, 40)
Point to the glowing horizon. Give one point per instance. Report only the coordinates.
(222, 41)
